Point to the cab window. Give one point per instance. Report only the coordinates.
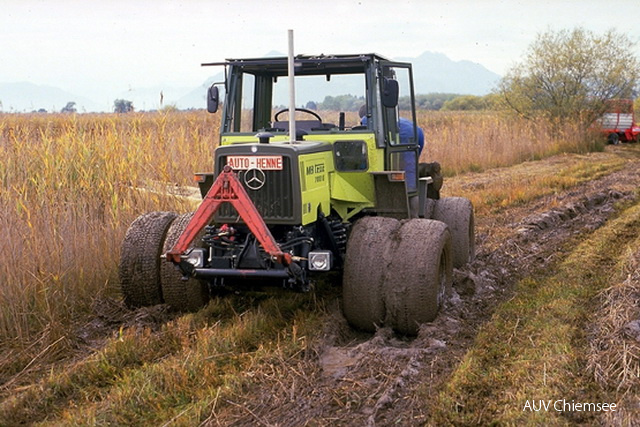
(350, 156)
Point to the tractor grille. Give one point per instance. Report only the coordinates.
(274, 200)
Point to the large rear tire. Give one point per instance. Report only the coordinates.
(139, 269)
(363, 278)
(457, 213)
(419, 274)
(180, 294)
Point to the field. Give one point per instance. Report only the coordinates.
(71, 353)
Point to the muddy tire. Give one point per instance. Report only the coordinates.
(181, 295)
(429, 207)
(139, 269)
(457, 213)
(363, 278)
(419, 274)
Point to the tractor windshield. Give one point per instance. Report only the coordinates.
(262, 102)
(258, 90)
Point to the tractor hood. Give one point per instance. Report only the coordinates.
(271, 175)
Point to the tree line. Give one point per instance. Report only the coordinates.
(431, 101)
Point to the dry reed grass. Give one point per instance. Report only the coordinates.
(66, 202)
(614, 356)
(475, 141)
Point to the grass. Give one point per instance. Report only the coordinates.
(535, 347)
(614, 354)
(531, 180)
(146, 378)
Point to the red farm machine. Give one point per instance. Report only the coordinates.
(618, 121)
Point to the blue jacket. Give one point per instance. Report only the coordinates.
(405, 128)
(406, 131)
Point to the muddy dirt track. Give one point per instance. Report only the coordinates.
(352, 378)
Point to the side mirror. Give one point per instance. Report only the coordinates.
(213, 97)
(390, 93)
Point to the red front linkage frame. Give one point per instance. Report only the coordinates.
(228, 189)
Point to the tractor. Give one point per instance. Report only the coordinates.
(288, 201)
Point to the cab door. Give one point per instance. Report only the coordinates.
(399, 121)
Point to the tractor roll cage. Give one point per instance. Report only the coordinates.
(378, 73)
(304, 64)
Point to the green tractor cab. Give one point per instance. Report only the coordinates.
(343, 192)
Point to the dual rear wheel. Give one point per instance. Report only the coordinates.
(398, 273)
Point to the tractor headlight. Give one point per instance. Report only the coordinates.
(320, 260)
(195, 257)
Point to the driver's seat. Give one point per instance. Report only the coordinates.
(305, 125)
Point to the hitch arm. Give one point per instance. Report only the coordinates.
(228, 189)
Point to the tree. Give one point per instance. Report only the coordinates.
(568, 75)
(122, 106)
(69, 108)
(430, 101)
(465, 103)
(433, 101)
(341, 103)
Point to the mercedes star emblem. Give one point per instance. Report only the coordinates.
(254, 178)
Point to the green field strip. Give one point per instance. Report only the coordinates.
(533, 350)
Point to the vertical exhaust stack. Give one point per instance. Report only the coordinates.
(292, 92)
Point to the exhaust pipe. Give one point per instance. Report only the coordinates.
(292, 92)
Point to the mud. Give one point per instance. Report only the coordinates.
(111, 315)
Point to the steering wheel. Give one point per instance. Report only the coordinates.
(302, 110)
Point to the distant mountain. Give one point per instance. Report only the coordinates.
(27, 97)
(436, 73)
(196, 98)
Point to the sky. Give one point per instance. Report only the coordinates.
(98, 49)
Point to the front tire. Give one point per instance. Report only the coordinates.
(139, 269)
(180, 294)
